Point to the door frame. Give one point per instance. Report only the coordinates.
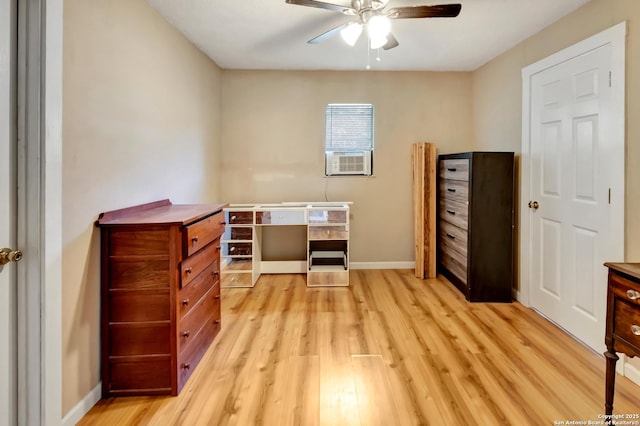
(616, 37)
(39, 274)
(8, 138)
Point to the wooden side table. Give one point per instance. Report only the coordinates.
(623, 320)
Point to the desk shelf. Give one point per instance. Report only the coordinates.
(327, 224)
(328, 247)
(238, 250)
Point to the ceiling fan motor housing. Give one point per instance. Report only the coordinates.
(361, 5)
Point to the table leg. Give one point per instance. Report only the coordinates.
(612, 358)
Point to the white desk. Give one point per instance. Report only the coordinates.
(327, 245)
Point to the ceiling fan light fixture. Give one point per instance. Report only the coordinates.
(351, 33)
(378, 27)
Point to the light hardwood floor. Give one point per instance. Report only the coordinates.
(388, 350)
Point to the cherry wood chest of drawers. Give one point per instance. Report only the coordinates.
(160, 289)
(623, 320)
(475, 222)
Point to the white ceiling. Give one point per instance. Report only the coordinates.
(271, 34)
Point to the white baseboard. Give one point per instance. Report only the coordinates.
(632, 372)
(382, 265)
(517, 295)
(81, 408)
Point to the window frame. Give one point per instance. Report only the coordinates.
(337, 122)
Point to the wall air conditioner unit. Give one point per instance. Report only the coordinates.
(354, 163)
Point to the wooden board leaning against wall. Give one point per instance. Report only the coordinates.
(424, 160)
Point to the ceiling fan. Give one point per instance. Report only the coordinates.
(371, 14)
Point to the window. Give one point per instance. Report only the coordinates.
(349, 139)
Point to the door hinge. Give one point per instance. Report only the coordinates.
(609, 78)
(609, 195)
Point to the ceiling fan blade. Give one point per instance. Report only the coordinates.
(437, 11)
(326, 35)
(391, 42)
(323, 5)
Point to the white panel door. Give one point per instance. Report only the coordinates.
(570, 181)
(8, 302)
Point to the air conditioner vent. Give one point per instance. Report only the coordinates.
(351, 164)
(348, 163)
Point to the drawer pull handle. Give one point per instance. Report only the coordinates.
(232, 249)
(451, 189)
(185, 333)
(185, 302)
(451, 236)
(633, 294)
(188, 270)
(452, 169)
(635, 329)
(451, 212)
(186, 366)
(194, 239)
(233, 218)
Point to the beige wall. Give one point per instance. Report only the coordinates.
(141, 122)
(273, 144)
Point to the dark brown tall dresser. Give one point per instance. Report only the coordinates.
(476, 223)
(160, 268)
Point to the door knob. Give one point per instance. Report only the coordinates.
(7, 255)
(534, 205)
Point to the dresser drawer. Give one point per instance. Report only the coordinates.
(327, 216)
(455, 213)
(240, 233)
(453, 238)
(455, 169)
(627, 322)
(454, 190)
(191, 354)
(339, 232)
(281, 217)
(625, 289)
(240, 217)
(455, 263)
(191, 323)
(189, 296)
(237, 249)
(194, 265)
(201, 233)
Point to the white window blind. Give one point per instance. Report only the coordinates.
(349, 127)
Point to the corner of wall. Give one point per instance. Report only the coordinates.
(81, 408)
